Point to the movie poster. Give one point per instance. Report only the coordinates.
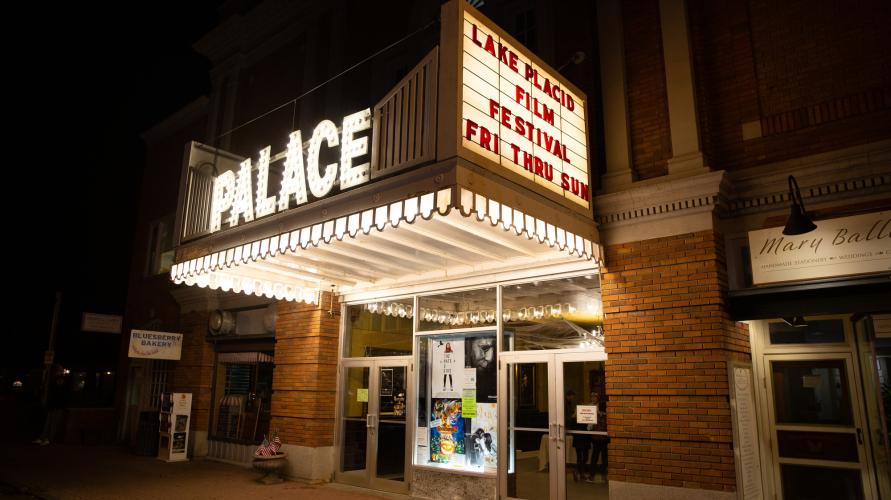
(448, 368)
(480, 354)
(481, 437)
(447, 432)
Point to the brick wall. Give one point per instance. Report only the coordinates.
(814, 75)
(194, 371)
(305, 376)
(669, 339)
(650, 132)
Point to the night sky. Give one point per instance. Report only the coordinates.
(86, 81)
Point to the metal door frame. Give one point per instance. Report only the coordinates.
(856, 428)
(369, 478)
(556, 412)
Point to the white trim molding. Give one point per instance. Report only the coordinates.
(658, 210)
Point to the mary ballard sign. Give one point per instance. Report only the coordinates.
(838, 247)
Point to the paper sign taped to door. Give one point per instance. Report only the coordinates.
(362, 395)
(811, 381)
(586, 414)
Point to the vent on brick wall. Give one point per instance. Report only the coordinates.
(403, 122)
(827, 111)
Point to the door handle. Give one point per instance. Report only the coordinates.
(859, 436)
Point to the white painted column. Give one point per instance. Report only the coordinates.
(617, 143)
(686, 150)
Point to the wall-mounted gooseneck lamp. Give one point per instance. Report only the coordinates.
(798, 221)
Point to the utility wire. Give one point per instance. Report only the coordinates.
(326, 82)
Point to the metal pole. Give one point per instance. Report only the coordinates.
(50, 356)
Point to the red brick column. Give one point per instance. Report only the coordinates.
(194, 371)
(669, 339)
(305, 379)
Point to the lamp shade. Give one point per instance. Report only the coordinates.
(798, 221)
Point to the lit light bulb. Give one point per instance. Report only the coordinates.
(319, 184)
(293, 176)
(223, 196)
(243, 204)
(265, 204)
(351, 147)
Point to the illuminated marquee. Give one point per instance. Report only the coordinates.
(234, 192)
(518, 115)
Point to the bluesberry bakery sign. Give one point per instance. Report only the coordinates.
(155, 345)
(520, 115)
(838, 247)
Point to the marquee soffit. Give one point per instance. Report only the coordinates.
(448, 233)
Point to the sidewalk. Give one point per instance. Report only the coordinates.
(65, 472)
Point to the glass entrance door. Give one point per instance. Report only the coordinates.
(820, 449)
(531, 427)
(373, 415)
(554, 419)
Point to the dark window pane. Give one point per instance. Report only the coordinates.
(802, 482)
(837, 446)
(824, 331)
(811, 392)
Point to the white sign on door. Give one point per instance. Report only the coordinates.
(586, 414)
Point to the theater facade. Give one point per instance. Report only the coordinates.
(425, 295)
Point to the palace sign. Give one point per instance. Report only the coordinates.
(237, 197)
(520, 116)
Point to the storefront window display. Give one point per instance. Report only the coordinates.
(457, 401)
(565, 313)
(379, 329)
(243, 396)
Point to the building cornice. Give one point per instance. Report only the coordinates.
(682, 205)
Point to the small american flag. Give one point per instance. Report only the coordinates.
(265, 449)
(276, 443)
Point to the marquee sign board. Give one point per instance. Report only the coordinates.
(520, 115)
